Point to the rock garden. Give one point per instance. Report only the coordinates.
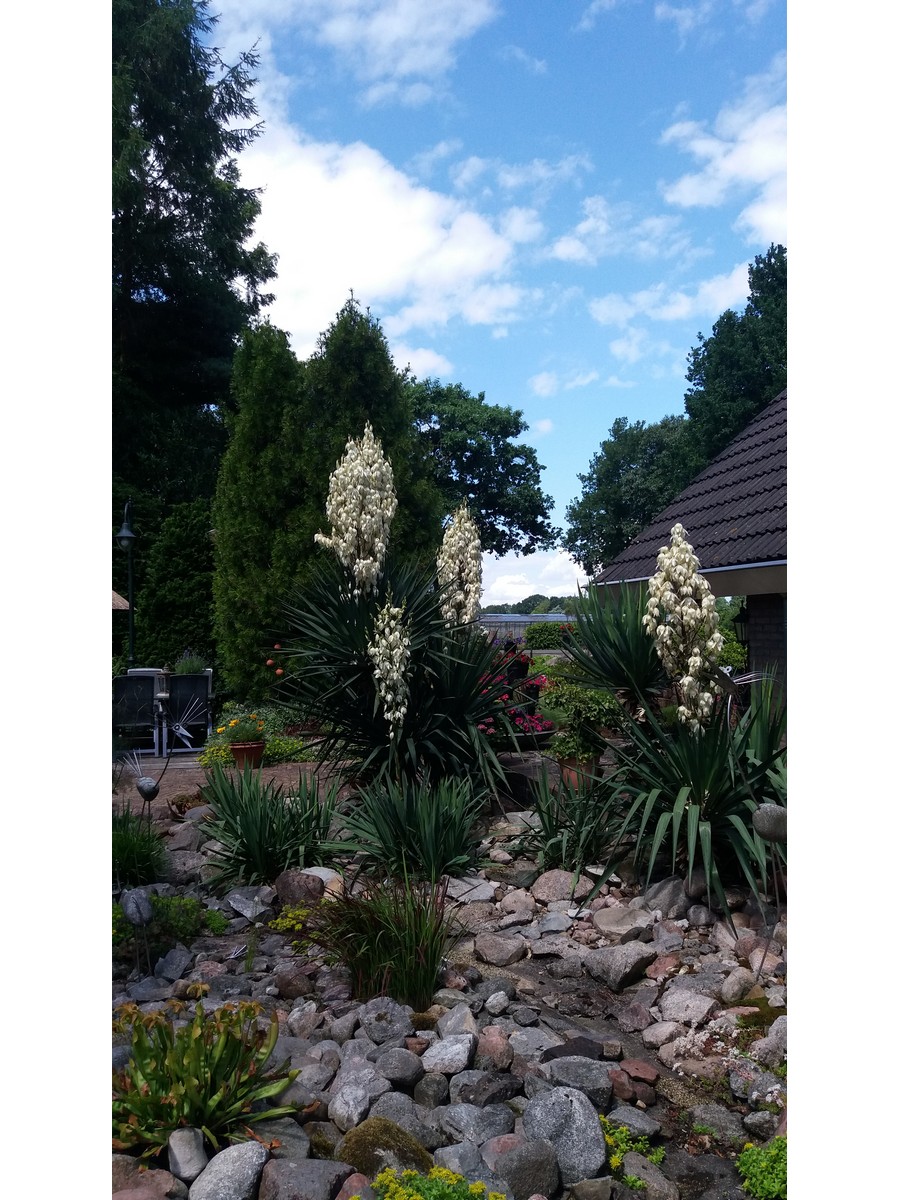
(427, 964)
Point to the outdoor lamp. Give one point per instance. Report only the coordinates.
(125, 539)
(740, 625)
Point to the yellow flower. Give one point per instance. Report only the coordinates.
(231, 724)
(221, 729)
(477, 1189)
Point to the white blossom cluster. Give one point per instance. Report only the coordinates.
(459, 569)
(361, 505)
(681, 616)
(389, 650)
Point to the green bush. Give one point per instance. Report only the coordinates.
(138, 854)
(546, 635)
(263, 831)
(209, 1074)
(577, 827)
(392, 935)
(763, 1170)
(175, 919)
(439, 1184)
(280, 748)
(613, 650)
(418, 828)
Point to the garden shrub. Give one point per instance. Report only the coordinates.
(175, 919)
(264, 831)
(546, 635)
(210, 1074)
(138, 853)
(763, 1170)
(439, 1184)
(423, 829)
(392, 935)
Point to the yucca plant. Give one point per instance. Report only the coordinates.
(615, 652)
(422, 828)
(694, 794)
(264, 831)
(578, 826)
(209, 1074)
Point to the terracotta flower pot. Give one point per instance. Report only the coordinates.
(577, 772)
(247, 754)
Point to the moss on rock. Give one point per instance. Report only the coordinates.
(377, 1143)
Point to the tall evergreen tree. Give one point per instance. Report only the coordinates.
(185, 280)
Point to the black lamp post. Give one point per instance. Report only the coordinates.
(125, 541)
(740, 625)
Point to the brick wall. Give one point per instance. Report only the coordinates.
(767, 632)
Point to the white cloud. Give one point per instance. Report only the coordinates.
(611, 229)
(614, 381)
(540, 172)
(589, 17)
(710, 299)
(423, 165)
(521, 224)
(396, 49)
(517, 54)
(630, 347)
(544, 384)
(548, 573)
(544, 426)
(422, 361)
(685, 17)
(745, 151)
(582, 379)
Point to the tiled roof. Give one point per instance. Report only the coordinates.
(734, 512)
(119, 601)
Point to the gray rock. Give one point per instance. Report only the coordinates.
(254, 903)
(529, 1168)
(432, 1090)
(186, 837)
(640, 1123)
(449, 997)
(383, 1019)
(497, 1003)
(184, 867)
(761, 1125)
(349, 1106)
(770, 822)
(699, 915)
(499, 950)
(661, 1033)
(464, 1158)
(137, 907)
(291, 980)
(450, 1055)
(665, 895)
(463, 1084)
(752, 1083)
(567, 1119)
(585, 1074)
(736, 985)
(174, 964)
(232, 1174)
(401, 1068)
(594, 1189)
(495, 1087)
(726, 1126)
(686, 1007)
(531, 1042)
(293, 1141)
(187, 1157)
(619, 966)
(771, 1050)
(554, 922)
(417, 1121)
(656, 1186)
(620, 922)
(144, 990)
(471, 889)
(560, 885)
(460, 1019)
(343, 1028)
(314, 1179)
(467, 1122)
(296, 886)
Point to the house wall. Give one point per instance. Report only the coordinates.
(767, 632)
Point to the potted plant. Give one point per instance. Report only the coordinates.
(245, 734)
(577, 754)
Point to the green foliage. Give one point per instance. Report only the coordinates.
(439, 1184)
(621, 1141)
(546, 635)
(469, 447)
(613, 651)
(580, 713)
(423, 829)
(695, 793)
(279, 747)
(175, 919)
(452, 678)
(264, 831)
(734, 373)
(210, 1074)
(636, 472)
(173, 607)
(138, 854)
(763, 1170)
(393, 937)
(578, 827)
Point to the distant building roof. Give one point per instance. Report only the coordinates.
(734, 514)
(119, 601)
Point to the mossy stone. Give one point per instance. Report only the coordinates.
(377, 1143)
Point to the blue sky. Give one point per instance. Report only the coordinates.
(543, 201)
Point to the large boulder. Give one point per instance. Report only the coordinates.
(568, 1121)
(378, 1143)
